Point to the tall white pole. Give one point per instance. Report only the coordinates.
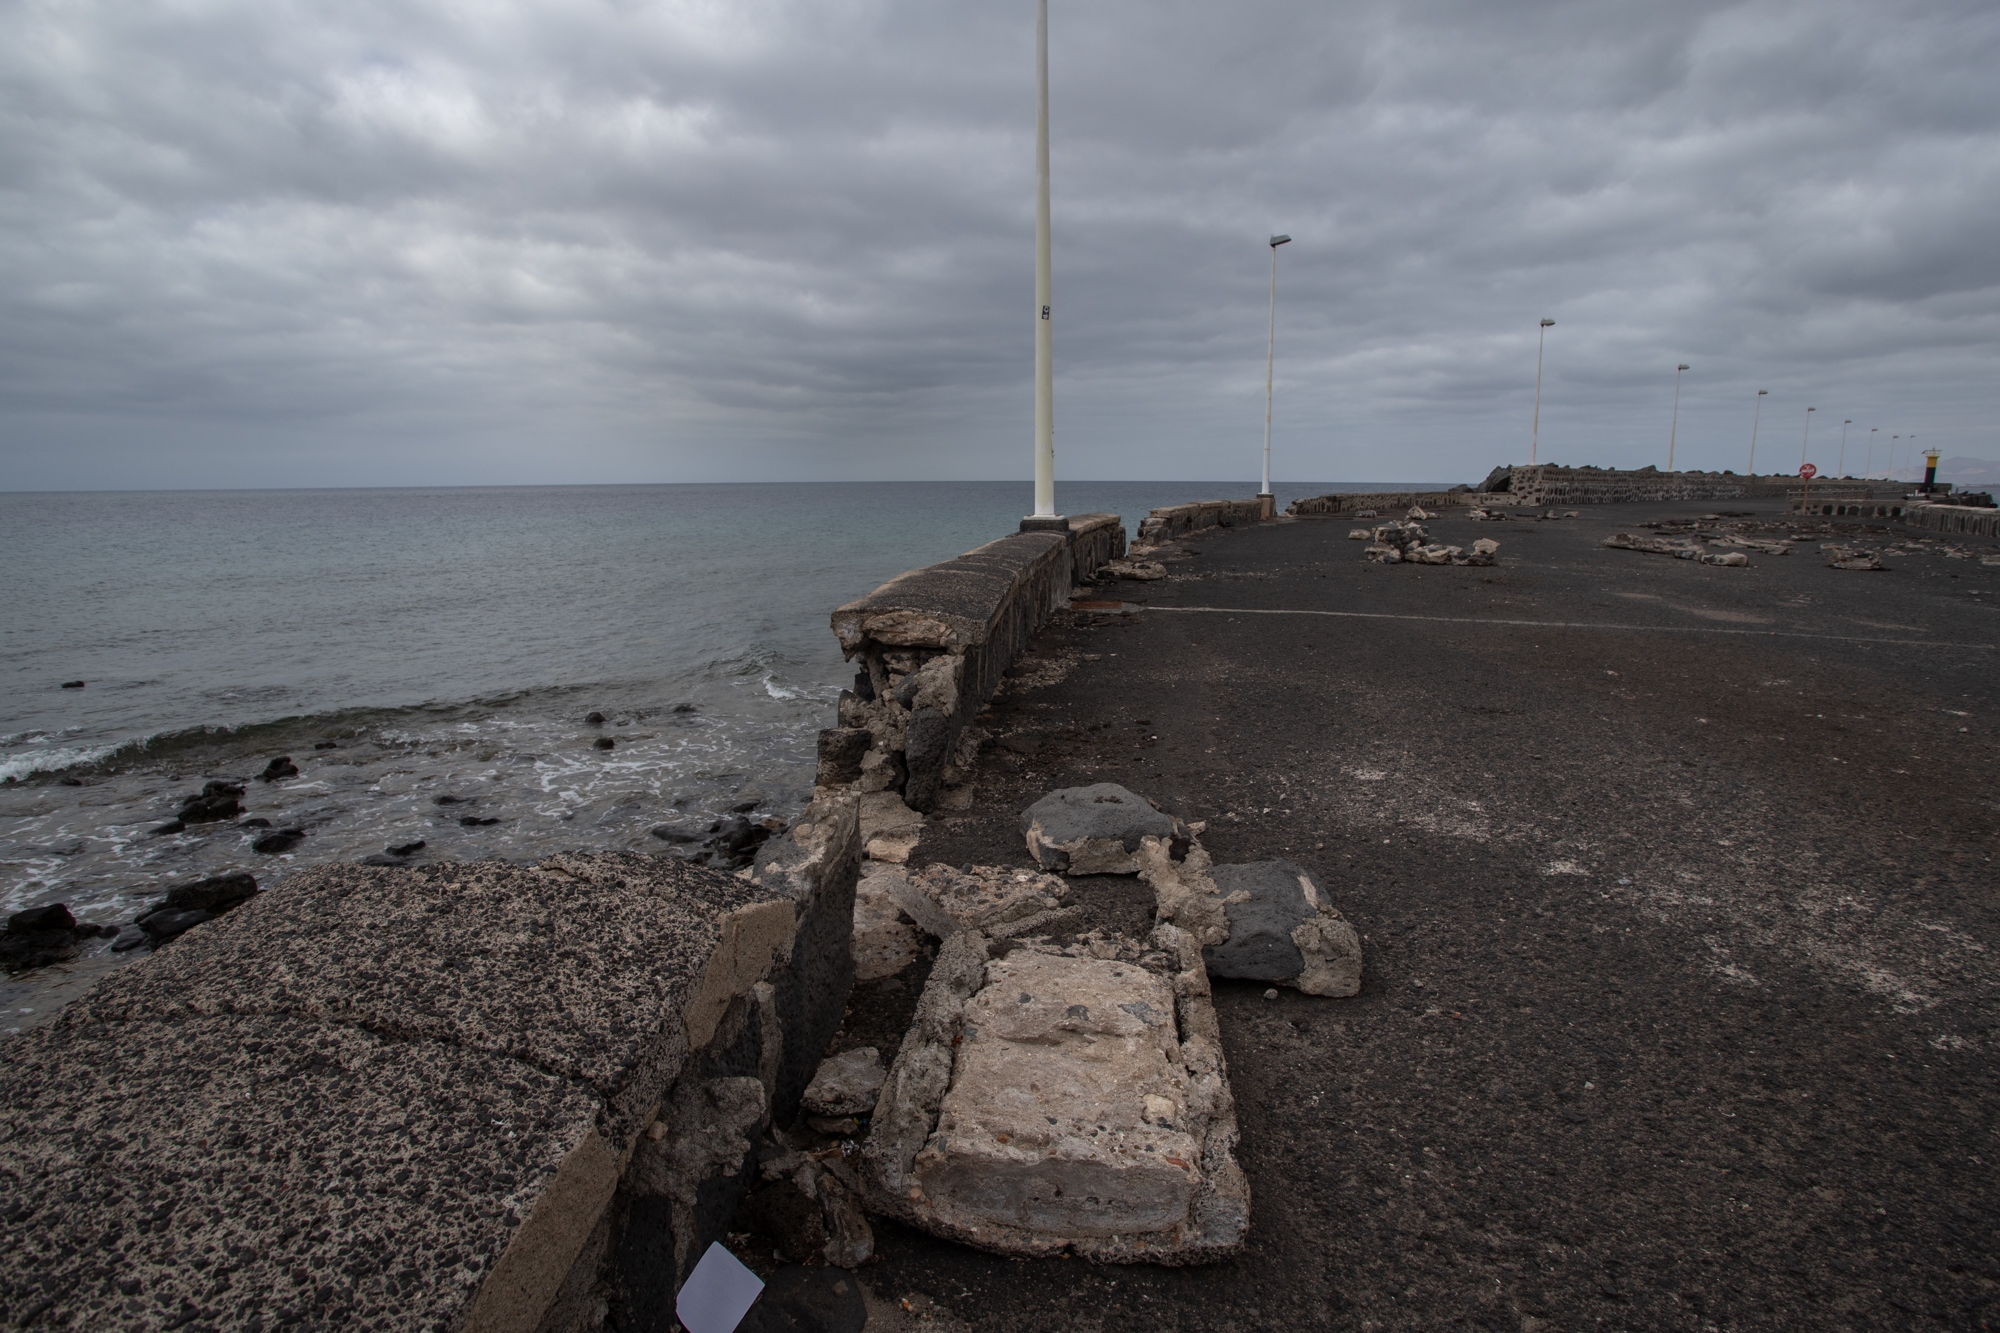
(1870, 470)
(1535, 440)
(1270, 363)
(1675, 428)
(1753, 429)
(1841, 470)
(1045, 411)
(1806, 443)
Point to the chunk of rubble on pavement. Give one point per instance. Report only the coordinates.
(1401, 543)
(1095, 830)
(1064, 1099)
(1144, 571)
(1839, 556)
(890, 830)
(1265, 921)
(1684, 549)
(1000, 900)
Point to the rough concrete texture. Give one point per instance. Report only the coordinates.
(883, 942)
(1064, 1099)
(890, 830)
(1676, 886)
(398, 1098)
(847, 1084)
(1094, 830)
(1283, 930)
(944, 900)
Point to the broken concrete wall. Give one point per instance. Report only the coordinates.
(1965, 520)
(476, 1096)
(1179, 520)
(1549, 484)
(1385, 502)
(933, 644)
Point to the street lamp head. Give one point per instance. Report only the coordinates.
(1812, 409)
(1762, 392)
(1548, 323)
(1277, 241)
(1848, 421)
(1683, 366)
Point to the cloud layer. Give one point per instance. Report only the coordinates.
(385, 242)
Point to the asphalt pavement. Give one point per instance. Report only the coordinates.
(1677, 893)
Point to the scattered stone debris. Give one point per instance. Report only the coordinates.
(44, 935)
(1680, 550)
(281, 767)
(807, 1205)
(1418, 514)
(216, 801)
(1488, 515)
(883, 944)
(1839, 556)
(1050, 1099)
(846, 1084)
(1003, 902)
(1400, 543)
(890, 830)
(1143, 570)
(1265, 921)
(187, 906)
(1095, 830)
(1360, 534)
(1753, 544)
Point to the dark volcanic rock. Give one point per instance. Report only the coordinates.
(218, 800)
(38, 937)
(450, 800)
(476, 821)
(217, 893)
(281, 840)
(326, 745)
(1095, 829)
(594, 718)
(171, 826)
(382, 859)
(257, 822)
(672, 833)
(70, 782)
(406, 848)
(1259, 947)
(685, 708)
(281, 767)
(840, 753)
(604, 742)
(131, 937)
(168, 923)
(72, 684)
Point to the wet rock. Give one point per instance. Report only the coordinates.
(70, 782)
(131, 937)
(381, 859)
(171, 826)
(406, 848)
(605, 742)
(674, 833)
(846, 1084)
(217, 893)
(281, 767)
(745, 807)
(72, 684)
(882, 944)
(256, 822)
(170, 923)
(1064, 1099)
(40, 936)
(448, 799)
(997, 899)
(326, 745)
(593, 719)
(799, 1299)
(217, 801)
(279, 840)
(1094, 830)
(685, 708)
(477, 821)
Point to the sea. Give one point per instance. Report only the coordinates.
(404, 646)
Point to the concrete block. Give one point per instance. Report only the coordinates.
(1094, 830)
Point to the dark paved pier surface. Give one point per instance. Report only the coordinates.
(1681, 917)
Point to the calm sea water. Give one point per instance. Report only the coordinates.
(437, 642)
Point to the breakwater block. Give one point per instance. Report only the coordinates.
(474, 1096)
(1064, 1099)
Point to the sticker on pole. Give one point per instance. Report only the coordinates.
(1808, 471)
(717, 1294)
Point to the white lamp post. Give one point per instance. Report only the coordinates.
(1842, 469)
(1807, 442)
(1870, 469)
(1893, 439)
(1674, 429)
(1045, 412)
(1270, 362)
(1535, 440)
(1753, 429)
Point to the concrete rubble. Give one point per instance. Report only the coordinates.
(883, 943)
(1840, 556)
(1071, 1099)
(846, 1084)
(808, 1205)
(1685, 549)
(1409, 542)
(890, 830)
(997, 899)
(1266, 921)
(1144, 571)
(1095, 830)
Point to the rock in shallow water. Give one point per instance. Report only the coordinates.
(281, 767)
(40, 936)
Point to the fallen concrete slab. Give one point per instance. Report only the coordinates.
(1064, 1099)
(1266, 921)
(1094, 830)
(1001, 900)
(474, 1096)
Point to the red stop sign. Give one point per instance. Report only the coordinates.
(1808, 471)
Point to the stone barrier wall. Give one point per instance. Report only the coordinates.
(1391, 502)
(1962, 520)
(932, 646)
(1180, 520)
(474, 1096)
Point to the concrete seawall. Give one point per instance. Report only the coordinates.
(1963, 520)
(1173, 521)
(1549, 484)
(471, 1096)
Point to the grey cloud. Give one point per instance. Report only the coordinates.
(291, 244)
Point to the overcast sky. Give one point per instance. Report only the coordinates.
(380, 242)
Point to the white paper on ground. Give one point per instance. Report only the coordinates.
(718, 1293)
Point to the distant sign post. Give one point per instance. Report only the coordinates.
(1808, 471)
